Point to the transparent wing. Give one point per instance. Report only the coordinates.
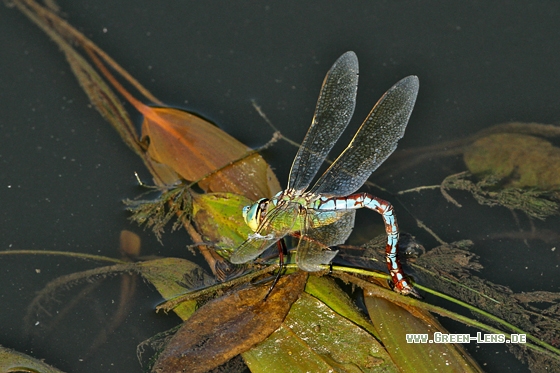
(334, 109)
(251, 249)
(375, 140)
(277, 224)
(313, 249)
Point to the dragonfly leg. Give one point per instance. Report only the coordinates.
(385, 209)
(282, 249)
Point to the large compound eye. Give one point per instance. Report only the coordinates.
(255, 213)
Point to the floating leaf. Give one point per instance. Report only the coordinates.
(519, 160)
(194, 148)
(218, 219)
(393, 323)
(12, 361)
(169, 276)
(328, 292)
(197, 150)
(228, 326)
(314, 338)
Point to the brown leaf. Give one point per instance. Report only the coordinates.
(193, 148)
(228, 326)
(129, 244)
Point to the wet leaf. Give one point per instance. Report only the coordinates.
(519, 160)
(169, 276)
(394, 322)
(314, 338)
(12, 361)
(193, 148)
(285, 352)
(228, 326)
(218, 219)
(327, 291)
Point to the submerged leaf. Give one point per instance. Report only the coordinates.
(519, 160)
(12, 361)
(130, 244)
(228, 326)
(534, 202)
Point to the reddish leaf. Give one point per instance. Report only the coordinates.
(193, 148)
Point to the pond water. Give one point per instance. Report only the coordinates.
(64, 170)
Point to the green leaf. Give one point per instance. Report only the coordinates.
(394, 322)
(314, 338)
(219, 220)
(169, 276)
(328, 292)
(12, 361)
(522, 160)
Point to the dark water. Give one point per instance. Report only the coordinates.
(64, 171)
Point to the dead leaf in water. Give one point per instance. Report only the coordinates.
(228, 326)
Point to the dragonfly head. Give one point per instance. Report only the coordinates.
(254, 214)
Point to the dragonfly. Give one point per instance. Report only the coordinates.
(323, 215)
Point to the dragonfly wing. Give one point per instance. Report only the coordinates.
(278, 223)
(334, 109)
(313, 249)
(375, 140)
(251, 249)
(338, 232)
